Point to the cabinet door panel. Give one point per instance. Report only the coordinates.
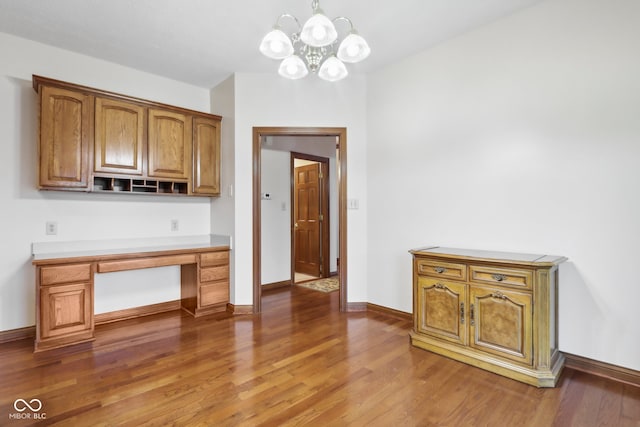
(119, 132)
(206, 156)
(502, 323)
(441, 305)
(169, 144)
(64, 143)
(65, 309)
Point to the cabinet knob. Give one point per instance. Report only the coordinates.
(439, 270)
(498, 277)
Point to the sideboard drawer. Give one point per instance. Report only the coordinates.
(437, 268)
(212, 274)
(65, 274)
(210, 259)
(514, 278)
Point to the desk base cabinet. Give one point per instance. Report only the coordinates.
(65, 290)
(496, 311)
(64, 301)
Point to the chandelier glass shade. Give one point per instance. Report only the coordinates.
(315, 46)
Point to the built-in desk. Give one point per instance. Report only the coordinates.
(65, 279)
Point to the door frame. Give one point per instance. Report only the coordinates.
(325, 224)
(341, 162)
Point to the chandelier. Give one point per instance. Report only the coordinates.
(314, 46)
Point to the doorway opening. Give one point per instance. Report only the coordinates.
(311, 219)
(264, 134)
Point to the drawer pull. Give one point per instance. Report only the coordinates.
(439, 270)
(472, 316)
(498, 277)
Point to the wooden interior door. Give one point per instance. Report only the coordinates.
(306, 226)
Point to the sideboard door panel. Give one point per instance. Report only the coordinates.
(441, 308)
(502, 323)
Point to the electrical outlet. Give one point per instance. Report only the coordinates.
(175, 225)
(51, 228)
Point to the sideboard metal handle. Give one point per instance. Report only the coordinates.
(498, 277)
(461, 312)
(472, 317)
(439, 270)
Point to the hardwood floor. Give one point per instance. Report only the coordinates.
(300, 362)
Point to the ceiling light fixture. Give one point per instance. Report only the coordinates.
(314, 47)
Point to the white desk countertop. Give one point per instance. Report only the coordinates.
(83, 248)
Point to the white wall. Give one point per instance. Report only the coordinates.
(270, 100)
(275, 221)
(523, 135)
(24, 210)
(223, 207)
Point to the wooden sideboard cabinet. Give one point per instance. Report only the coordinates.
(99, 141)
(493, 310)
(65, 287)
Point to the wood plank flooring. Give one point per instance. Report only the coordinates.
(300, 362)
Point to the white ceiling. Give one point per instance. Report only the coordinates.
(203, 41)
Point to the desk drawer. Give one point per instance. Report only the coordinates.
(210, 259)
(211, 274)
(446, 270)
(215, 293)
(513, 278)
(65, 274)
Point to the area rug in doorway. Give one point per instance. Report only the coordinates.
(328, 284)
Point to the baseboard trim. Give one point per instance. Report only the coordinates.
(28, 332)
(239, 309)
(132, 313)
(276, 285)
(602, 369)
(354, 307)
(389, 311)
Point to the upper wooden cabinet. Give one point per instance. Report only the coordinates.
(94, 140)
(119, 136)
(65, 122)
(206, 156)
(169, 144)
